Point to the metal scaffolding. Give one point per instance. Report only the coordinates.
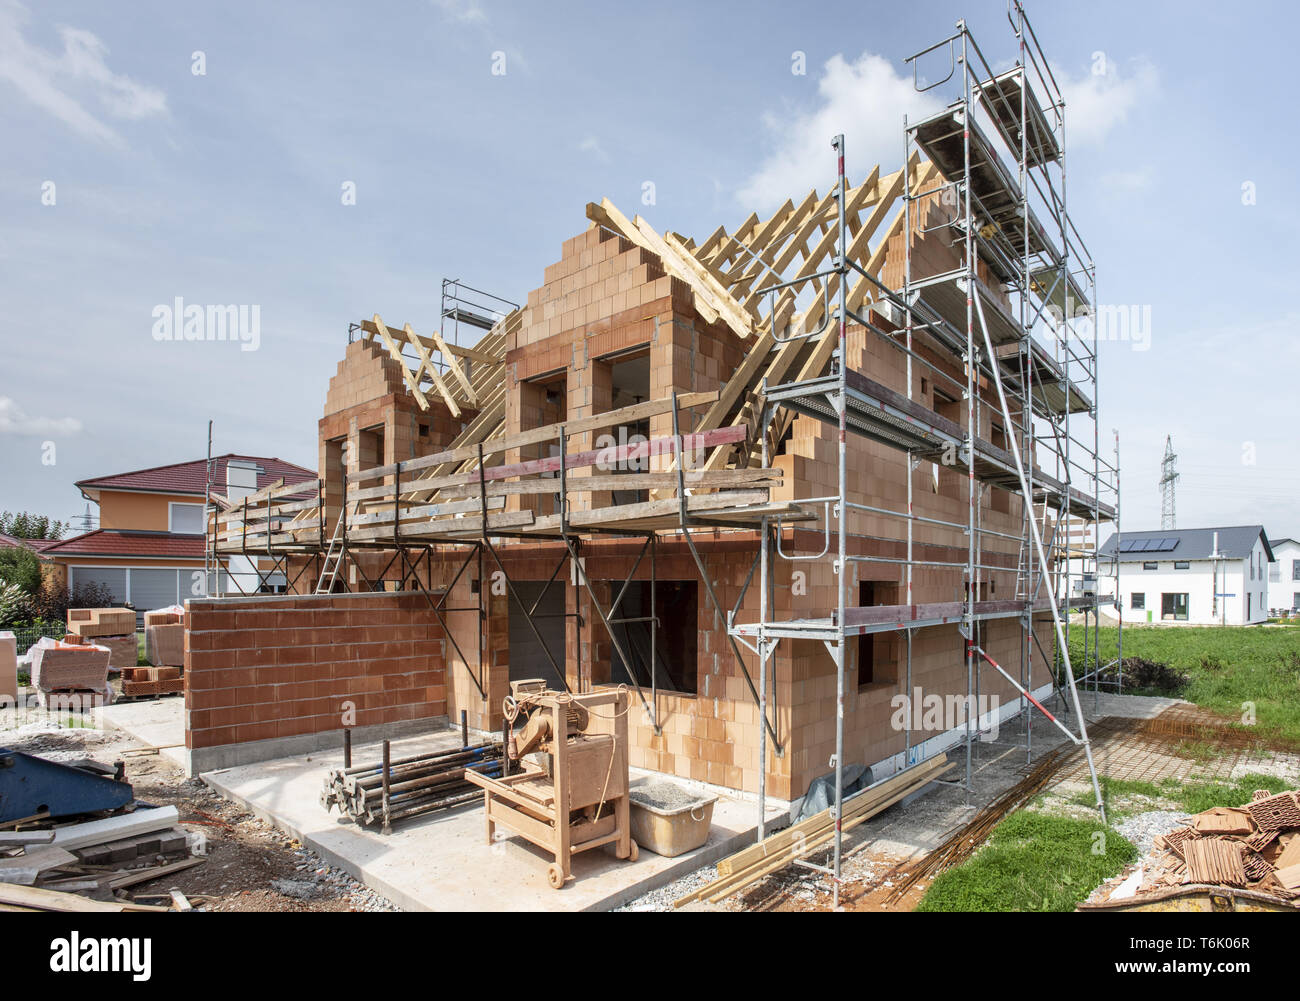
(1016, 244)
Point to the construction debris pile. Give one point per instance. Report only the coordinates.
(1256, 846)
(389, 791)
(73, 838)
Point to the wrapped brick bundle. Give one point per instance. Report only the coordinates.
(164, 645)
(59, 665)
(169, 616)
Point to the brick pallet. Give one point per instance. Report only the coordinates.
(140, 682)
(137, 689)
(61, 698)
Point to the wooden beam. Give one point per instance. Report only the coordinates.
(453, 366)
(396, 352)
(426, 365)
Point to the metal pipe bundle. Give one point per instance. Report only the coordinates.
(393, 790)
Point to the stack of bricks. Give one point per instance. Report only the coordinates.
(113, 628)
(263, 668)
(605, 300)
(368, 407)
(164, 648)
(69, 668)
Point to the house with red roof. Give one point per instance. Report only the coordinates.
(149, 547)
(35, 545)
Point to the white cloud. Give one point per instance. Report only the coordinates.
(63, 83)
(1102, 98)
(464, 11)
(13, 420)
(866, 100)
(592, 145)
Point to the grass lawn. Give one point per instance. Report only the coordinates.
(1227, 667)
(1033, 862)
(1125, 797)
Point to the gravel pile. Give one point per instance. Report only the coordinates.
(662, 898)
(1143, 828)
(665, 796)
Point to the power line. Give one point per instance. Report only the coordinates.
(1168, 479)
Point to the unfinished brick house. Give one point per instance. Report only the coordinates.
(635, 479)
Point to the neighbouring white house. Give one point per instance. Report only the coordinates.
(1284, 575)
(1210, 576)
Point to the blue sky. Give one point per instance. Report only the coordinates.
(225, 187)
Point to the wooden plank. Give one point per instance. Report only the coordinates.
(477, 354)
(52, 900)
(622, 514)
(698, 480)
(426, 512)
(133, 877)
(618, 454)
(778, 851)
(453, 366)
(426, 365)
(396, 352)
(807, 828)
(820, 841)
(512, 520)
(610, 418)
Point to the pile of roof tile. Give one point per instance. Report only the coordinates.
(1255, 846)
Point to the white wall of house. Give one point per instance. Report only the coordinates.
(1242, 586)
(1284, 576)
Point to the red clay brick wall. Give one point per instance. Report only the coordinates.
(260, 668)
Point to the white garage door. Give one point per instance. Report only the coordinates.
(114, 578)
(153, 588)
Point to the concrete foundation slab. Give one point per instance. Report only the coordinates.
(159, 723)
(441, 862)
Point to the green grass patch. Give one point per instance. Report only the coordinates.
(1195, 797)
(1114, 791)
(1129, 787)
(1033, 862)
(1229, 670)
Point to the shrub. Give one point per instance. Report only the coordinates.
(15, 604)
(55, 598)
(1151, 677)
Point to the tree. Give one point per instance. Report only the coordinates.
(21, 567)
(24, 525)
